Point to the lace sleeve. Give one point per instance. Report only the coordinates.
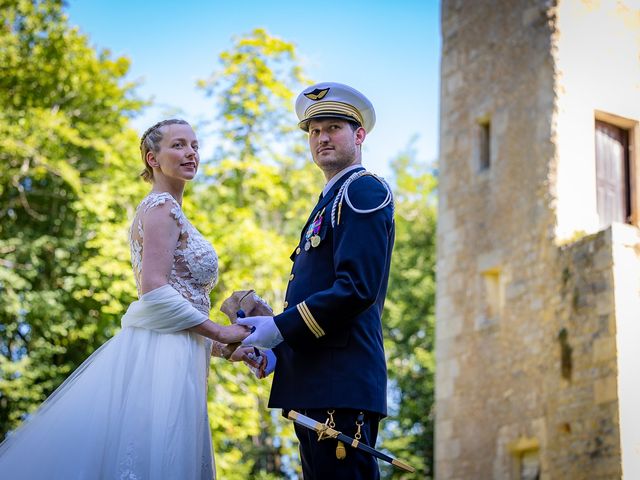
(159, 199)
(136, 232)
(190, 265)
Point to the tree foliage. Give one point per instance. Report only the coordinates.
(64, 147)
(409, 318)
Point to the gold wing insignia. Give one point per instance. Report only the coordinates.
(317, 94)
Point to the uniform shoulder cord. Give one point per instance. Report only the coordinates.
(343, 194)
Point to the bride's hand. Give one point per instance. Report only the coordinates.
(228, 350)
(248, 356)
(232, 333)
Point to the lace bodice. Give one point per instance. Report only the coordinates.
(194, 272)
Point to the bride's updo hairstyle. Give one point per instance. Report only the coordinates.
(150, 142)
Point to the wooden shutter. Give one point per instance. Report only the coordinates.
(612, 173)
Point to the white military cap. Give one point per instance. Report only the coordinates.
(331, 100)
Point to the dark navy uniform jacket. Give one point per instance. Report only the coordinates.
(332, 355)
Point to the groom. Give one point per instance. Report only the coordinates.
(328, 341)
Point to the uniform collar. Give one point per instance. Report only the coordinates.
(337, 177)
(341, 177)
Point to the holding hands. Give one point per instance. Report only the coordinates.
(233, 334)
(264, 334)
(255, 361)
(247, 310)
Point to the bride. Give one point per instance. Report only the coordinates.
(136, 408)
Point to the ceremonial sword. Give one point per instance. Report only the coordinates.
(327, 431)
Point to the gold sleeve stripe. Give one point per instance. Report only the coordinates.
(313, 320)
(309, 320)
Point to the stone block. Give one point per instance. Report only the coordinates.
(453, 82)
(451, 450)
(444, 388)
(605, 390)
(445, 429)
(604, 349)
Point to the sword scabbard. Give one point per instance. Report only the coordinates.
(402, 465)
(326, 431)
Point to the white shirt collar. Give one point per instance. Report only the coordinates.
(337, 177)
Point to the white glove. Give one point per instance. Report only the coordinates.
(270, 363)
(266, 333)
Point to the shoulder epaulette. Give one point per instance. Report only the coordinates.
(343, 194)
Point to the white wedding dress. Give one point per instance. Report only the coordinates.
(137, 408)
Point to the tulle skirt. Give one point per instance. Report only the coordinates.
(136, 410)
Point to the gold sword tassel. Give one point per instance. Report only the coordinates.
(341, 452)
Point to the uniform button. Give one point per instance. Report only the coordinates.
(286, 304)
(298, 251)
(291, 277)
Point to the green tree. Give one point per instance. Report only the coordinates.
(67, 193)
(409, 318)
(257, 189)
(64, 144)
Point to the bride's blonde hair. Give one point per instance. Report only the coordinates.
(150, 142)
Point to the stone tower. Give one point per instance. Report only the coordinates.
(538, 300)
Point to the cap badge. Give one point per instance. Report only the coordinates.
(317, 94)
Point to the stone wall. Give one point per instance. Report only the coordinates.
(491, 359)
(528, 376)
(581, 404)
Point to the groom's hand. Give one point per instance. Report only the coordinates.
(266, 333)
(268, 364)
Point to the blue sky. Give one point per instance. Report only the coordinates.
(389, 50)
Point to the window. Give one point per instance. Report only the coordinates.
(613, 174)
(493, 294)
(526, 456)
(529, 465)
(484, 143)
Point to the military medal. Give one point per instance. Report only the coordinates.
(312, 236)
